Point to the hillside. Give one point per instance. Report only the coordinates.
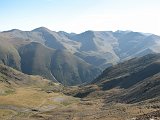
(39, 99)
(56, 65)
(26, 51)
(135, 82)
(22, 95)
(25, 97)
(71, 70)
(32, 62)
(130, 72)
(9, 55)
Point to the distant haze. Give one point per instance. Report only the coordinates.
(81, 15)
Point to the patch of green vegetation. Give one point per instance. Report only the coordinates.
(51, 87)
(6, 90)
(9, 91)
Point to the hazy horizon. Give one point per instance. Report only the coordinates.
(78, 16)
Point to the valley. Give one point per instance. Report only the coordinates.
(79, 60)
(28, 97)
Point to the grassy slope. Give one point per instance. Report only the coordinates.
(22, 96)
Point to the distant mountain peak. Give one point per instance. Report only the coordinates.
(123, 31)
(41, 29)
(13, 30)
(88, 32)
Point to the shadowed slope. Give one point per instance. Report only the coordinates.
(9, 55)
(58, 65)
(36, 59)
(70, 70)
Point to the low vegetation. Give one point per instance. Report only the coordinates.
(25, 97)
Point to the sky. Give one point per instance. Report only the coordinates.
(81, 15)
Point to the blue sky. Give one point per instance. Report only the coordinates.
(81, 15)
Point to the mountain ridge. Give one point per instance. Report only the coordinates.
(113, 47)
(100, 49)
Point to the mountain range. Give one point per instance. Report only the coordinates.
(71, 58)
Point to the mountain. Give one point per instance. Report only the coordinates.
(71, 70)
(57, 65)
(130, 72)
(107, 47)
(133, 44)
(98, 48)
(36, 52)
(133, 77)
(26, 52)
(135, 80)
(36, 59)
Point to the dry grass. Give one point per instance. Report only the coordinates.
(5, 114)
(35, 98)
(30, 97)
(56, 106)
(27, 100)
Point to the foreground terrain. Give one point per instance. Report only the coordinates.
(134, 96)
(22, 96)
